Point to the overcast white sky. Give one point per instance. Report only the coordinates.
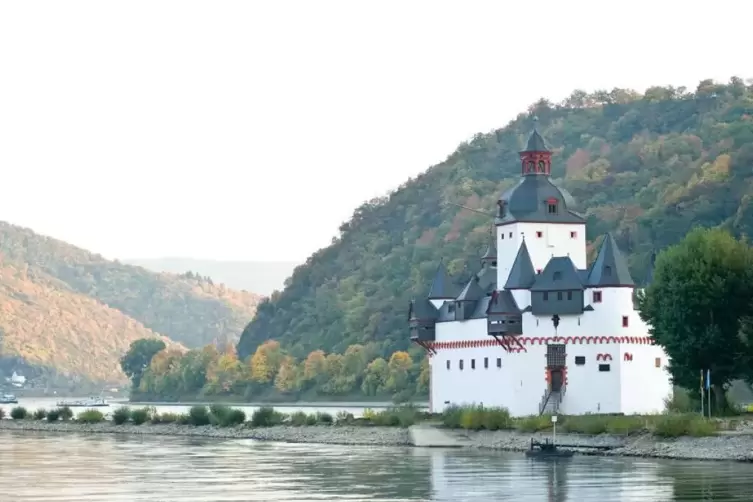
(250, 130)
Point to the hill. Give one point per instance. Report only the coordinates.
(47, 326)
(186, 308)
(258, 276)
(647, 167)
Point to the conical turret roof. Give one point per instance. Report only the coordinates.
(441, 286)
(610, 268)
(522, 275)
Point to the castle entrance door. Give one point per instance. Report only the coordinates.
(556, 375)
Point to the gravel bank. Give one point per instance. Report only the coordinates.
(345, 435)
(734, 447)
(724, 447)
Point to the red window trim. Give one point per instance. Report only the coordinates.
(539, 234)
(597, 296)
(625, 321)
(573, 235)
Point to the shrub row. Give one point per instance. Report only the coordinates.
(665, 425)
(21, 413)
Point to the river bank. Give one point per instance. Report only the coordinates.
(730, 447)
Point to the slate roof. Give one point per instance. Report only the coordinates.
(487, 279)
(471, 292)
(522, 275)
(491, 250)
(527, 201)
(560, 274)
(422, 309)
(610, 268)
(441, 286)
(536, 143)
(503, 302)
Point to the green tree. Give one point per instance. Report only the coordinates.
(138, 357)
(700, 298)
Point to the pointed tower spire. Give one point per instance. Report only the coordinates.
(522, 275)
(490, 256)
(441, 287)
(536, 159)
(610, 268)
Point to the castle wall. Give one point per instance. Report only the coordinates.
(628, 387)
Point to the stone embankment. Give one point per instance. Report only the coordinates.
(734, 447)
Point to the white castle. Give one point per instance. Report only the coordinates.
(537, 330)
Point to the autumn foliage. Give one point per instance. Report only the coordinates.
(271, 371)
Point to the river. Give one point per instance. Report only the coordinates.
(47, 467)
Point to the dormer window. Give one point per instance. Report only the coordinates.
(502, 208)
(607, 271)
(551, 207)
(557, 276)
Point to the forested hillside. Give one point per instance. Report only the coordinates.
(647, 167)
(51, 329)
(187, 308)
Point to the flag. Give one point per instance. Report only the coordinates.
(708, 379)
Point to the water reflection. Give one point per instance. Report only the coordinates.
(48, 467)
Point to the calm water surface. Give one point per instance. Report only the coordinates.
(66, 467)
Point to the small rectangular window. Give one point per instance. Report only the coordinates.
(597, 296)
(552, 208)
(473, 364)
(580, 360)
(486, 362)
(569, 295)
(573, 235)
(538, 270)
(503, 236)
(510, 236)
(539, 234)
(603, 367)
(624, 321)
(546, 296)
(657, 362)
(559, 295)
(499, 362)
(461, 365)
(448, 364)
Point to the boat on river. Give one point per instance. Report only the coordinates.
(89, 402)
(8, 399)
(547, 450)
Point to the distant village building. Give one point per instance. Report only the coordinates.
(17, 380)
(537, 330)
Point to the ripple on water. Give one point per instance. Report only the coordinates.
(56, 468)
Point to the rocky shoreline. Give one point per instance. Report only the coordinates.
(729, 447)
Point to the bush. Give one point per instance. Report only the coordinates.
(53, 415)
(2, 413)
(680, 402)
(169, 418)
(266, 416)
(324, 418)
(534, 423)
(40, 414)
(299, 418)
(224, 416)
(199, 415)
(672, 426)
(65, 413)
(121, 415)
(344, 418)
(403, 416)
(90, 417)
(142, 415)
(477, 417)
(18, 413)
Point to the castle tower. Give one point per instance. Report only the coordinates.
(540, 212)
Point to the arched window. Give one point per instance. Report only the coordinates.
(542, 166)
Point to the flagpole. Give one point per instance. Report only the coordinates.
(708, 388)
(703, 397)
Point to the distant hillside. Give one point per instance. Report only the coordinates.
(647, 167)
(258, 276)
(189, 310)
(48, 325)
